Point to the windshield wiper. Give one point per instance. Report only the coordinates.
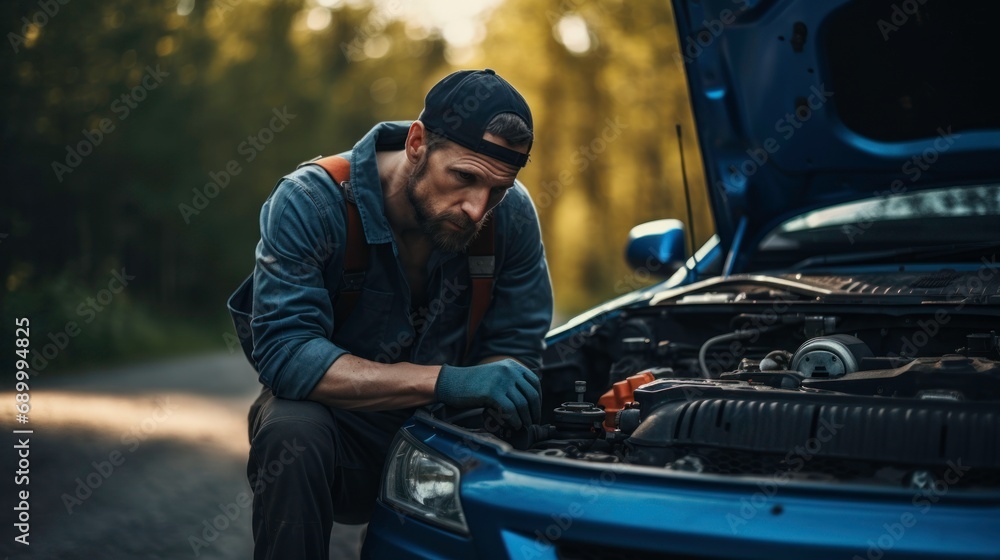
(928, 251)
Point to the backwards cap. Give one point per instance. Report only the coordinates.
(461, 105)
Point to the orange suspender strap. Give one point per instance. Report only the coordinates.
(480, 253)
(356, 255)
(482, 264)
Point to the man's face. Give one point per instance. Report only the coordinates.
(453, 190)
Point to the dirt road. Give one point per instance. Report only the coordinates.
(142, 462)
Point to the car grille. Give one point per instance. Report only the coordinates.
(816, 468)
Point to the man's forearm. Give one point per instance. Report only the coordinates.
(359, 384)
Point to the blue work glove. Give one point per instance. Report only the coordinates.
(505, 385)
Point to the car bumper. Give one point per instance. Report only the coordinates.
(526, 508)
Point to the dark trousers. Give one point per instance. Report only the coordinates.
(311, 465)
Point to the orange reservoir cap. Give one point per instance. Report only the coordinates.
(621, 394)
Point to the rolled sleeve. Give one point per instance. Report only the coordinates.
(300, 232)
(520, 312)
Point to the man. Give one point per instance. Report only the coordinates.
(339, 392)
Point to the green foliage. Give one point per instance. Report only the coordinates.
(72, 325)
(170, 117)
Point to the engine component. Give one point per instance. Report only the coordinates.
(620, 394)
(494, 423)
(687, 463)
(578, 419)
(981, 345)
(728, 337)
(779, 379)
(777, 360)
(628, 419)
(633, 343)
(972, 378)
(737, 417)
(830, 356)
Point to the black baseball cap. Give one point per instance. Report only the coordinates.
(461, 105)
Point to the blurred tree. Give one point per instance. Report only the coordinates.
(116, 116)
(606, 93)
(123, 124)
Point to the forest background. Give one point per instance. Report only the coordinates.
(140, 139)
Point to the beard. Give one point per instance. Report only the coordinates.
(438, 228)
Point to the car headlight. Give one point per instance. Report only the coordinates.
(423, 483)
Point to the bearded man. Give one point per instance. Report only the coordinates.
(337, 385)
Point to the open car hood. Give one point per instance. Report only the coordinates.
(803, 104)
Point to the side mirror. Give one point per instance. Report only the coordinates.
(657, 247)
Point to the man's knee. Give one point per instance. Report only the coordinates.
(287, 440)
(291, 435)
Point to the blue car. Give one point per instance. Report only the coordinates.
(821, 379)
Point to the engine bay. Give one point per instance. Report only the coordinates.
(772, 384)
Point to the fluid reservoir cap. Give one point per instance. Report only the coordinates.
(830, 356)
(577, 415)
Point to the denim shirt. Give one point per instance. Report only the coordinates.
(300, 263)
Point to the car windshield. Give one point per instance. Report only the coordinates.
(936, 225)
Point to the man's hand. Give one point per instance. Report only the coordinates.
(505, 385)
